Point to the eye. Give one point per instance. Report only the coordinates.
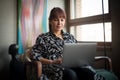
(55, 19)
(62, 19)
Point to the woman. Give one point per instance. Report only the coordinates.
(49, 46)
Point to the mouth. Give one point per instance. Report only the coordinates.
(58, 26)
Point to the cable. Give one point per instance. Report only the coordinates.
(105, 53)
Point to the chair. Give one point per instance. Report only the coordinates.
(106, 73)
(25, 69)
(16, 67)
(21, 67)
(33, 68)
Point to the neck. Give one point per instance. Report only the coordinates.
(57, 33)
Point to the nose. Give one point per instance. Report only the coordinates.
(59, 21)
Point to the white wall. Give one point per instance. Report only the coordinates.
(7, 34)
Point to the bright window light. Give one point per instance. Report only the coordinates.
(93, 32)
(85, 8)
(93, 7)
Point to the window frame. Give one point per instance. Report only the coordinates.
(88, 20)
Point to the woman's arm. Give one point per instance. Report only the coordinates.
(45, 61)
(48, 61)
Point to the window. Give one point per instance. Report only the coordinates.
(92, 32)
(86, 20)
(85, 8)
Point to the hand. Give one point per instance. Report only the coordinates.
(57, 61)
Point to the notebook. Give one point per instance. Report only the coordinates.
(78, 54)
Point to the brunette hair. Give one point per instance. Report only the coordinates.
(56, 12)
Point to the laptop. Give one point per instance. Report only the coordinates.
(78, 54)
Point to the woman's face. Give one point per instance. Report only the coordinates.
(57, 24)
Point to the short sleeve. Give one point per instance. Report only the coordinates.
(38, 49)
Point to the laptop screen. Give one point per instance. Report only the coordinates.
(78, 54)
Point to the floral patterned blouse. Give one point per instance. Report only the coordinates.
(50, 46)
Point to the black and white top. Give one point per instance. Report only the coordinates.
(50, 46)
